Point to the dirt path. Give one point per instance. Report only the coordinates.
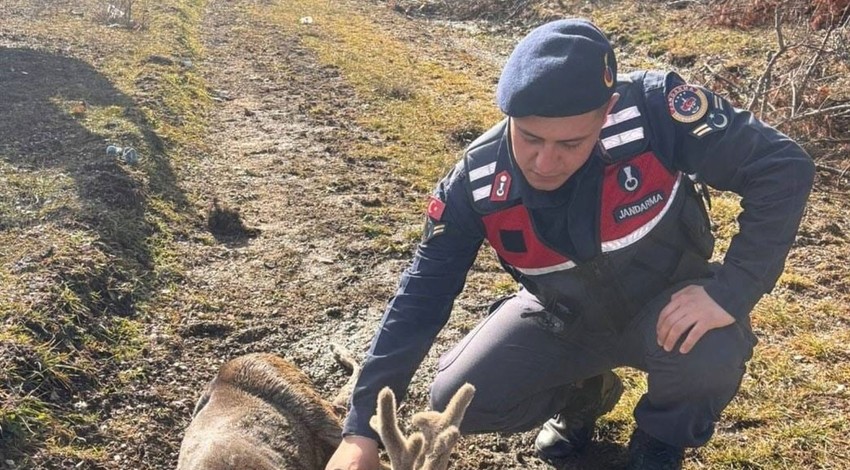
(312, 275)
(301, 267)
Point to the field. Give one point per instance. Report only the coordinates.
(285, 152)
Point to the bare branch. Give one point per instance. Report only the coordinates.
(734, 86)
(765, 77)
(817, 112)
(829, 169)
(795, 106)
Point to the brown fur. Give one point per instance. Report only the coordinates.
(261, 413)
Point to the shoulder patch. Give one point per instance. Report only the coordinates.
(435, 208)
(501, 187)
(432, 229)
(716, 120)
(687, 103)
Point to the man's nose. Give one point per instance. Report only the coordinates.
(546, 162)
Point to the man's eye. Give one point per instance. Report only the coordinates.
(570, 145)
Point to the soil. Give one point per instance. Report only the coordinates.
(309, 278)
(290, 269)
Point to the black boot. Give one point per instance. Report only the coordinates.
(569, 431)
(648, 453)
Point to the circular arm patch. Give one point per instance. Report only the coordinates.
(687, 103)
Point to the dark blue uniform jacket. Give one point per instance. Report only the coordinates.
(688, 129)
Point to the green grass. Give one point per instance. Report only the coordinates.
(415, 102)
(79, 278)
(75, 298)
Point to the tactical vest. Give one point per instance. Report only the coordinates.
(653, 227)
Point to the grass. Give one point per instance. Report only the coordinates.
(774, 423)
(80, 277)
(81, 280)
(415, 102)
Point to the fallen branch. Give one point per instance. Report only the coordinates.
(681, 4)
(816, 112)
(731, 84)
(831, 170)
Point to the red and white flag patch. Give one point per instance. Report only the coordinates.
(435, 208)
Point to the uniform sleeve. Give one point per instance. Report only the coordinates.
(731, 150)
(422, 303)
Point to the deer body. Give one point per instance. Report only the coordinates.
(260, 413)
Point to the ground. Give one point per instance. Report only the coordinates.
(286, 151)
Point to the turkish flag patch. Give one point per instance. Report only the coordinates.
(435, 208)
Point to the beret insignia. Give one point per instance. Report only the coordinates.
(608, 75)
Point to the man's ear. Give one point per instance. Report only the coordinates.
(611, 102)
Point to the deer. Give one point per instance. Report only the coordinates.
(261, 412)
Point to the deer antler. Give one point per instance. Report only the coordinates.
(438, 457)
(430, 448)
(402, 451)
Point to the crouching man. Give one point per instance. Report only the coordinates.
(586, 192)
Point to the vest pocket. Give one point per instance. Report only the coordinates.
(513, 241)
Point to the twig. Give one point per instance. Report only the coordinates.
(816, 112)
(734, 86)
(829, 169)
(794, 105)
(765, 77)
(843, 172)
(680, 4)
(518, 7)
(830, 141)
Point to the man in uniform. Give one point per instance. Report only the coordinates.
(586, 192)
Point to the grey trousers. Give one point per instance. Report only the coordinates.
(523, 362)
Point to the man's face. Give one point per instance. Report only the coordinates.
(550, 150)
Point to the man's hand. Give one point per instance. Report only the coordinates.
(691, 308)
(355, 453)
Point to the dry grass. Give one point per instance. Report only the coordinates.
(84, 273)
(86, 242)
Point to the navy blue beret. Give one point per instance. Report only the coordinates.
(563, 68)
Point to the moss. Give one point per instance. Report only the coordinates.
(795, 282)
(725, 209)
(779, 315)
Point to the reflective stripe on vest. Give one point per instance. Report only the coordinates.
(636, 195)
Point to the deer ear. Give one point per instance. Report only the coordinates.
(346, 360)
